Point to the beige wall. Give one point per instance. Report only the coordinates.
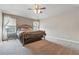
(0, 26)
(64, 26)
(21, 20)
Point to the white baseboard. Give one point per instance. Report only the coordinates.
(64, 42)
(61, 39)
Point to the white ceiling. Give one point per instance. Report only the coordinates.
(22, 10)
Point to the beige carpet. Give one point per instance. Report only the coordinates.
(13, 47)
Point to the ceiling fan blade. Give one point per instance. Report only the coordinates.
(30, 9)
(43, 8)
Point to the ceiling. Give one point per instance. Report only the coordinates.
(51, 10)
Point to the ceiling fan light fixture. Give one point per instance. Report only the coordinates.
(37, 9)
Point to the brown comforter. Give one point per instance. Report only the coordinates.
(31, 36)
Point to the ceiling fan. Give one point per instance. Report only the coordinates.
(37, 8)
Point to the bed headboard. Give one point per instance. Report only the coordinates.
(25, 27)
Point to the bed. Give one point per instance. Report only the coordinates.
(28, 36)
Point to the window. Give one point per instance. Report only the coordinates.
(36, 25)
